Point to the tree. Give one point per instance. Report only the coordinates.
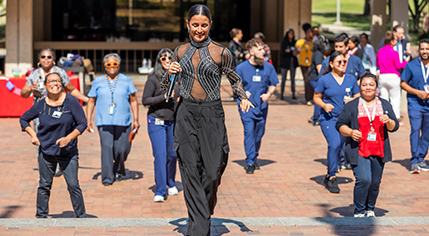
(367, 8)
(419, 5)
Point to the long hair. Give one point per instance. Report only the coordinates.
(199, 9)
(158, 70)
(319, 43)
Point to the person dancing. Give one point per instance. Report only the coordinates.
(201, 141)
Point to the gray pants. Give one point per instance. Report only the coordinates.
(115, 148)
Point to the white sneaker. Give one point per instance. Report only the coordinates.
(370, 214)
(360, 215)
(158, 198)
(173, 191)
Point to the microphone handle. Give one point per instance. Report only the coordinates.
(173, 79)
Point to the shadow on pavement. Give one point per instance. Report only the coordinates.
(69, 214)
(348, 211)
(340, 180)
(405, 163)
(324, 161)
(261, 162)
(217, 227)
(8, 211)
(130, 174)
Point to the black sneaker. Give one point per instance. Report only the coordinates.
(250, 169)
(311, 120)
(316, 122)
(118, 177)
(257, 167)
(331, 184)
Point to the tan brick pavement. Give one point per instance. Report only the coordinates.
(289, 184)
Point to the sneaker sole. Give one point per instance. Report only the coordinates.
(415, 172)
(424, 169)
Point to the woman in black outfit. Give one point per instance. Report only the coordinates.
(288, 61)
(200, 138)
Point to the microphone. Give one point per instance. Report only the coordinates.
(173, 79)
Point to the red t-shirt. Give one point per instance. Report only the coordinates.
(367, 147)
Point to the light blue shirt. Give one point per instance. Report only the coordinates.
(100, 90)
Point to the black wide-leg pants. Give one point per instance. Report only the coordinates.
(201, 143)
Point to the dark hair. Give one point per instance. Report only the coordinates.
(319, 43)
(199, 9)
(50, 74)
(368, 75)
(424, 40)
(261, 35)
(343, 37)
(396, 27)
(286, 37)
(234, 32)
(158, 70)
(366, 36)
(47, 49)
(306, 26)
(331, 59)
(388, 37)
(355, 39)
(253, 43)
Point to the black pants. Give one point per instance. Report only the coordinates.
(309, 91)
(201, 143)
(69, 165)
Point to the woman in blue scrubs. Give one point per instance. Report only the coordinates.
(334, 89)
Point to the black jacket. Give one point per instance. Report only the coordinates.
(349, 117)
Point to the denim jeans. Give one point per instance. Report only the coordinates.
(69, 165)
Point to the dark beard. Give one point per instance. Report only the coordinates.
(259, 61)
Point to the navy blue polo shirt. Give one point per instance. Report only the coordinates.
(413, 75)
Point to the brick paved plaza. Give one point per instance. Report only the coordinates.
(285, 197)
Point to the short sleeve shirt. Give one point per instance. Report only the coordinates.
(100, 90)
(316, 59)
(306, 52)
(39, 77)
(413, 75)
(334, 93)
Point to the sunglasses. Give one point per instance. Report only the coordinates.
(110, 64)
(46, 56)
(340, 62)
(53, 82)
(165, 58)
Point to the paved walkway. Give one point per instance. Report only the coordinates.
(285, 197)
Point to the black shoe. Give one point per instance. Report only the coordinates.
(331, 184)
(316, 122)
(293, 96)
(250, 169)
(281, 97)
(311, 120)
(257, 167)
(347, 166)
(118, 177)
(107, 184)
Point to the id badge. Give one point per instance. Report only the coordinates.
(426, 88)
(306, 60)
(110, 110)
(346, 98)
(57, 114)
(372, 136)
(159, 121)
(256, 78)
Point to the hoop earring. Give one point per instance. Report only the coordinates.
(38, 64)
(54, 63)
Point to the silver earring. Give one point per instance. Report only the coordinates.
(38, 64)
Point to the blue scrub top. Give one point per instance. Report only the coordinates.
(412, 74)
(268, 78)
(334, 93)
(122, 112)
(354, 67)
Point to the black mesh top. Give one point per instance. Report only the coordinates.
(202, 67)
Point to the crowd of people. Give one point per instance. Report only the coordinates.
(186, 122)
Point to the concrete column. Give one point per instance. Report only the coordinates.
(296, 13)
(19, 36)
(378, 21)
(400, 15)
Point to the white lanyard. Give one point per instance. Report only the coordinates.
(424, 72)
(372, 116)
(42, 73)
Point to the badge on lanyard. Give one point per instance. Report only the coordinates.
(426, 86)
(347, 97)
(111, 109)
(57, 114)
(159, 121)
(306, 60)
(256, 78)
(372, 136)
(425, 76)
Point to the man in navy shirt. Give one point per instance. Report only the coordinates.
(259, 80)
(354, 65)
(415, 82)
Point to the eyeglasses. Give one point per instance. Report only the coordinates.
(46, 56)
(340, 62)
(165, 58)
(110, 64)
(53, 82)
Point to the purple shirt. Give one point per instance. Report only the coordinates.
(388, 61)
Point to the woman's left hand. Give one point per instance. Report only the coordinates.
(63, 141)
(135, 125)
(245, 105)
(384, 118)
